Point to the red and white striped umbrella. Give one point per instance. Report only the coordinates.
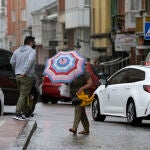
(65, 66)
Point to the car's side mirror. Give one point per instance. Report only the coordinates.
(106, 84)
(103, 81)
(102, 75)
(103, 78)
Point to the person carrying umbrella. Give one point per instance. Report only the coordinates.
(77, 86)
(69, 67)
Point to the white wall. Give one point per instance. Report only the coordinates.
(77, 14)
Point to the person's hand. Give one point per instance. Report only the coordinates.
(79, 91)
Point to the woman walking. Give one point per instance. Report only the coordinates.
(80, 84)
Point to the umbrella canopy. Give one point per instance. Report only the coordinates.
(65, 66)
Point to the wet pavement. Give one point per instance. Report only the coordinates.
(53, 122)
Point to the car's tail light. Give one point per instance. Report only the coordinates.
(146, 88)
(46, 79)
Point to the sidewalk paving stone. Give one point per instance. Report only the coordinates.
(11, 131)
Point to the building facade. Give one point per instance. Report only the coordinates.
(16, 22)
(3, 24)
(44, 30)
(143, 45)
(61, 32)
(94, 27)
(101, 26)
(19, 19)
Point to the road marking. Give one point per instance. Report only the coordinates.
(2, 122)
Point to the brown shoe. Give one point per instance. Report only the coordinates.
(73, 130)
(84, 132)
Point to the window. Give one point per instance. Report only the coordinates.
(135, 4)
(3, 3)
(127, 76)
(13, 16)
(132, 5)
(148, 6)
(23, 15)
(135, 75)
(87, 3)
(117, 78)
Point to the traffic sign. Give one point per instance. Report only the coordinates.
(147, 31)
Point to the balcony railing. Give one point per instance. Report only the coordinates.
(113, 66)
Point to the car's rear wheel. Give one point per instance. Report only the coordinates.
(33, 99)
(96, 111)
(45, 99)
(131, 114)
(54, 100)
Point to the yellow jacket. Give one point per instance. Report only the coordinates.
(86, 100)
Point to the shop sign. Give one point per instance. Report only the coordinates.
(124, 42)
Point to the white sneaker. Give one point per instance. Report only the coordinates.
(19, 117)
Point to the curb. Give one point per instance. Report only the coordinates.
(24, 137)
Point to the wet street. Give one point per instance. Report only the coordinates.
(54, 120)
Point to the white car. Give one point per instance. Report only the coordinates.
(125, 94)
(1, 102)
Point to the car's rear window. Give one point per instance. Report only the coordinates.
(135, 75)
(128, 75)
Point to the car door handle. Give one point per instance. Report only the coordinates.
(127, 88)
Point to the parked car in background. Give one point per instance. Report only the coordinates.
(50, 91)
(125, 94)
(8, 81)
(1, 102)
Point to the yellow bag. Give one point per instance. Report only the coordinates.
(86, 100)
